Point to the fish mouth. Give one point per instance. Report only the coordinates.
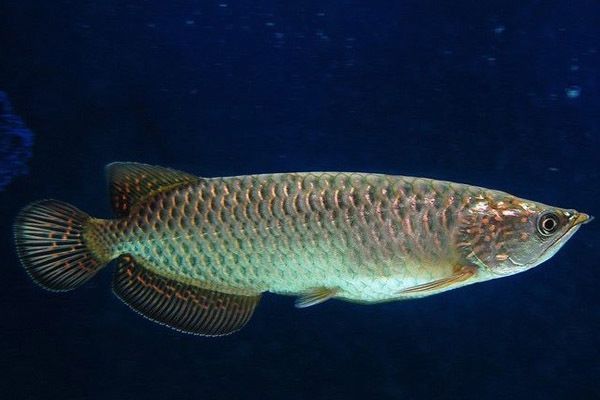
(576, 220)
(581, 218)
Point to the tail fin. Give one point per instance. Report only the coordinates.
(51, 244)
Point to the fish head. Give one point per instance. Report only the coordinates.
(509, 235)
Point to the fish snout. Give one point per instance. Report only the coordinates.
(581, 218)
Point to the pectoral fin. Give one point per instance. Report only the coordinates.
(315, 296)
(182, 306)
(460, 275)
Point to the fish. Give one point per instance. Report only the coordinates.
(196, 254)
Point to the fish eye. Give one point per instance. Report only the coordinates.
(548, 224)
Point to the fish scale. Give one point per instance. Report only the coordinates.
(286, 233)
(196, 253)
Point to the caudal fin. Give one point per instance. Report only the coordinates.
(51, 244)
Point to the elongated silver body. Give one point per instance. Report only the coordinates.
(196, 253)
(369, 236)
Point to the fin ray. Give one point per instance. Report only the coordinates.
(181, 306)
(460, 275)
(130, 183)
(49, 237)
(315, 296)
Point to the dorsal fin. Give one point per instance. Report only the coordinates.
(129, 183)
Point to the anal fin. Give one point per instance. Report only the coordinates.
(315, 296)
(460, 275)
(182, 306)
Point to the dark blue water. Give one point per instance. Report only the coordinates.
(499, 94)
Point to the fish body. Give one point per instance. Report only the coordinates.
(368, 236)
(187, 243)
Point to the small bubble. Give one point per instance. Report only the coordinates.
(499, 29)
(553, 169)
(270, 23)
(223, 5)
(190, 22)
(573, 91)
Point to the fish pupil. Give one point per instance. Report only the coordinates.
(548, 224)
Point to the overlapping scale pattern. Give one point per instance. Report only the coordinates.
(288, 232)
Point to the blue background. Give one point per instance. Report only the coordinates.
(499, 94)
